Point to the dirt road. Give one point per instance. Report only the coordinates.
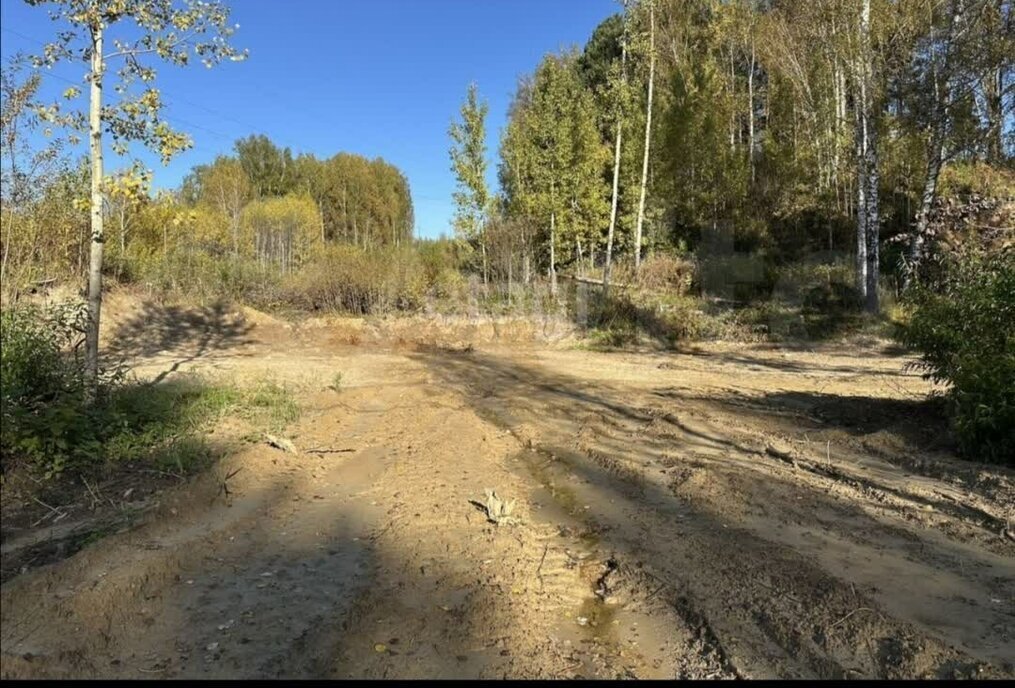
(730, 511)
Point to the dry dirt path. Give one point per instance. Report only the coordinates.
(733, 511)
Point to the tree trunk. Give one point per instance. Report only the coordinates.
(648, 134)
(992, 90)
(869, 163)
(936, 154)
(861, 204)
(95, 264)
(553, 255)
(750, 112)
(917, 244)
(616, 172)
(486, 276)
(873, 218)
(510, 263)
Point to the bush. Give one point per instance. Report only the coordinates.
(41, 384)
(964, 329)
(354, 280)
(51, 425)
(666, 272)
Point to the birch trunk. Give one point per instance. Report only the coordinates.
(936, 153)
(553, 255)
(869, 162)
(648, 135)
(861, 203)
(917, 245)
(95, 263)
(750, 112)
(616, 170)
(486, 281)
(873, 218)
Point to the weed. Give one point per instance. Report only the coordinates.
(336, 382)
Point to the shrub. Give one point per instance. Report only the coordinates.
(351, 279)
(50, 425)
(666, 272)
(964, 329)
(41, 385)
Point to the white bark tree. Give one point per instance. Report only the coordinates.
(171, 30)
(620, 97)
(648, 133)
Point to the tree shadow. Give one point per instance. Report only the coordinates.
(320, 597)
(769, 605)
(190, 333)
(618, 320)
(744, 356)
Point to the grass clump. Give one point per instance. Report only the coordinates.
(336, 382)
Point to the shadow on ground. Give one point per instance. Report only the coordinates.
(187, 332)
(767, 607)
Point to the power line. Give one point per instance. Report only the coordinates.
(174, 96)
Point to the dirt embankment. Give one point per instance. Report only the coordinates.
(728, 511)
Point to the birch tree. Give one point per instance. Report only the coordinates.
(552, 159)
(619, 98)
(648, 132)
(225, 187)
(133, 35)
(468, 162)
(868, 216)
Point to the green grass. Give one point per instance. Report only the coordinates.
(163, 424)
(267, 403)
(169, 419)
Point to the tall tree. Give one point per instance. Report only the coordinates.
(950, 71)
(619, 101)
(468, 162)
(170, 30)
(868, 200)
(225, 186)
(552, 159)
(648, 132)
(269, 167)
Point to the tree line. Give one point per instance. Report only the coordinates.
(777, 127)
(359, 201)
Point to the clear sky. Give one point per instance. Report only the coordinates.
(374, 77)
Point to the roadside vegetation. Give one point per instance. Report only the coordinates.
(54, 423)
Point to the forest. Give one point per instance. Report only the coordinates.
(747, 263)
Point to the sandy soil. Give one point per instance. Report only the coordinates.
(728, 511)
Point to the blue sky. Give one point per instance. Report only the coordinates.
(378, 78)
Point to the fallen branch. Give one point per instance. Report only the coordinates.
(53, 511)
(328, 451)
(51, 508)
(96, 499)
